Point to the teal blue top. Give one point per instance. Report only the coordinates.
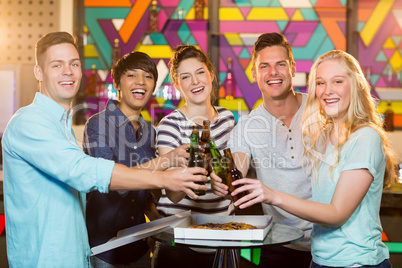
(358, 240)
(46, 176)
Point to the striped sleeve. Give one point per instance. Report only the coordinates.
(168, 134)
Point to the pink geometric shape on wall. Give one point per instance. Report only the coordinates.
(303, 66)
(290, 11)
(198, 31)
(133, 1)
(389, 52)
(249, 26)
(381, 83)
(397, 31)
(237, 50)
(169, 3)
(250, 50)
(222, 65)
(245, 11)
(304, 30)
(162, 19)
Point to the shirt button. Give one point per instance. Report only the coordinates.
(132, 217)
(290, 139)
(283, 124)
(131, 131)
(293, 157)
(290, 130)
(291, 148)
(141, 134)
(135, 147)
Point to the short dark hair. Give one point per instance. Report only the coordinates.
(131, 61)
(51, 39)
(270, 40)
(183, 52)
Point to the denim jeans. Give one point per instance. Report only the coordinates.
(384, 264)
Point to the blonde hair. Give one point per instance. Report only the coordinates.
(361, 113)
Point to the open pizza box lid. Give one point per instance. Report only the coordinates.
(141, 231)
(262, 222)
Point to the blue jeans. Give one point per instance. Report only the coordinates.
(384, 264)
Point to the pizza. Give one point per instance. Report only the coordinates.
(224, 226)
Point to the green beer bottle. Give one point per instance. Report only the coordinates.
(205, 136)
(196, 160)
(217, 161)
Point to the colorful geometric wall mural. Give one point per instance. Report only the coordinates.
(312, 27)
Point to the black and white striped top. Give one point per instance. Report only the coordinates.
(175, 130)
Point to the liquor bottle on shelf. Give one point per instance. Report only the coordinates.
(205, 136)
(232, 175)
(199, 9)
(217, 161)
(91, 89)
(196, 160)
(116, 51)
(153, 18)
(229, 83)
(389, 118)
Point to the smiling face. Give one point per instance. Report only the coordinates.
(333, 86)
(136, 87)
(59, 73)
(194, 80)
(273, 72)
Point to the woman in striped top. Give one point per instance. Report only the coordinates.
(192, 74)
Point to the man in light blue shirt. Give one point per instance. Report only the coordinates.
(46, 175)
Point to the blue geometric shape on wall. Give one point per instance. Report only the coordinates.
(158, 39)
(244, 54)
(309, 14)
(183, 33)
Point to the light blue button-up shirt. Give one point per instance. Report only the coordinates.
(46, 176)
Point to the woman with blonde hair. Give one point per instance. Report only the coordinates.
(351, 164)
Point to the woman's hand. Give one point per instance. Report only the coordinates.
(255, 192)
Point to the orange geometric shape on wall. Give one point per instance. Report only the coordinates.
(364, 14)
(328, 3)
(329, 18)
(133, 18)
(107, 3)
(244, 62)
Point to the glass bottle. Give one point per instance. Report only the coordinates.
(229, 83)
(116, 52)
(232, 175)
(217, 161)
(389, 118)
(153, 18)
(205, 136)
(199, 9)
(92, 83)
(196, 160)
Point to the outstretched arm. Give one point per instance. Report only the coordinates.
(350, 190)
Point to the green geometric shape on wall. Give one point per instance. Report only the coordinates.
(360, 26)
(158, 39)
(186, 5)
(192, 41)
(92, 61)
(387, 69)
(374, 78)
(239, 3)
(92, 16)
(168, 105)
(397, 39)
(167, 79)
(309, 14)
(244, 54)
(326, 46)
(222, 76)
(381, 57)
(275, 3)
(260, 3)
(310, 50)
(313, 2)
(183, 33)
(282, 24)
(343, 2)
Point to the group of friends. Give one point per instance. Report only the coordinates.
(322, 160)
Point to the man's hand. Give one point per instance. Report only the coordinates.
(179, 156)
(184, 180)
(218, 187)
